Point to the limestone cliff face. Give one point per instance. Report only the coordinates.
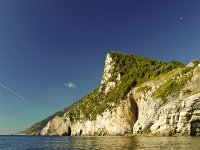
(118, 121)
(106, 84)
(176, 115)
(167, 103)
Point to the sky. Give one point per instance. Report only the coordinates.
(52, 52)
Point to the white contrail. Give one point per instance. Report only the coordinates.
(13, 92)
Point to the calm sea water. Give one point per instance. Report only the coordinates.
(101, 143)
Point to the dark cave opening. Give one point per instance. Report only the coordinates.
(134, 109)
(68, 133)
(81, 131)
(195, 128)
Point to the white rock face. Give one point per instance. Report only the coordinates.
(57, 126)
(109, 86)
(170, 117)
(107, 74)
(174, 117)
(109, 66)
(118, 121)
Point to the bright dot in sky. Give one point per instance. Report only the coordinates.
(181, 18)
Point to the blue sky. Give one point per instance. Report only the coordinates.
(52, 52)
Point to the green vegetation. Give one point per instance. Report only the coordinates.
(196, 62)
(171, 87)
(134, 71)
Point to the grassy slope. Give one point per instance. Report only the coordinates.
(173, 86)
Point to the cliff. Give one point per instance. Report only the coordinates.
(137, 95)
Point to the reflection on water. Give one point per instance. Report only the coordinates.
(116, 142)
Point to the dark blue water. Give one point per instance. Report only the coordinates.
(101, 143)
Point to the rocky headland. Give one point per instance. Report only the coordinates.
(137, 95)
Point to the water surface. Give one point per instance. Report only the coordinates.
(102, 143)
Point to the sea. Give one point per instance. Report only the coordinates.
(98, 143)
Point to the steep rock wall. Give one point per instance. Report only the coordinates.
(172, 116)
(117, 121)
